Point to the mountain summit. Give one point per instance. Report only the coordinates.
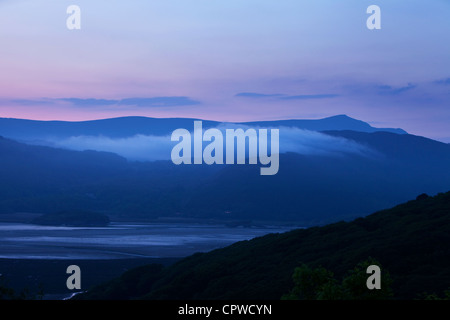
(338, 123)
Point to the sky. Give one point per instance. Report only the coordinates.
(233, 60)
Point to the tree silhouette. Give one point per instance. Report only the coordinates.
(320, 284)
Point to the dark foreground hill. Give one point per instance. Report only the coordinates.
(411, 241)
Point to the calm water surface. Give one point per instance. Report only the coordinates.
(119, 240)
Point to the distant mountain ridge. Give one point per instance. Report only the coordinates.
(338, 123)
(122, 127)
(318, 182)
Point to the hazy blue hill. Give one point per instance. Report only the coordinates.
(28, 165)
(399, 147)
(410, 241)
(43, 179)
(129, 126)
(405, 166)
(47, 180)
(15, 154)
(36, 178)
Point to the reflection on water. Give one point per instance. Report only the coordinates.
(119, 240)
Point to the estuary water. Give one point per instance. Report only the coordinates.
(120, 240)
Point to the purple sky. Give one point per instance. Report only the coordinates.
(229, 60)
